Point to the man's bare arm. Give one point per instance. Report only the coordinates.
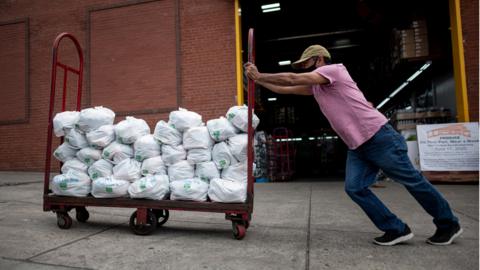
(292, 79)
(285, 78)
(304, 90)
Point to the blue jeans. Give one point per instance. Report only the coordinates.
(387, 150)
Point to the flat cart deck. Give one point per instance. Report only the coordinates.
(149, 214)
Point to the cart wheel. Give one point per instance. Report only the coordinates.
(64, 221)
(82, 214)
(238, 230)
(162, 216)
(144, 229)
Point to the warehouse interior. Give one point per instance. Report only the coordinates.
(399, 53)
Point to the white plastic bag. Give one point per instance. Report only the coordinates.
(93, 118)
(74, 164)
(130, 129)
(206, 171)
(222, 156)
(221, 129)
(236, 172)
(172, 154)
(146, 147)
(167, 134)
(128, 169)
(109, 187)
(181, 170)
(153, 165)
(198, 155)
(89, 155)
(155, 187)
(227, 191)
(72, 183)
(101, 137)
(65, 152)
(65, 121)
(184, 119)
(238, 146)
(189, 190)
(238, 116)
(76, 139)
(197, 137)
(100, 168)
(117, 152)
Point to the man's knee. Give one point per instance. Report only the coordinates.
(353, 189)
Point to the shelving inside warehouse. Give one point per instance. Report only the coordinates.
(409, 119)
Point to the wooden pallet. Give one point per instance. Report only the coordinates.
(452, 177)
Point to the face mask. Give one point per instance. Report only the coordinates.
(313, 67)
(310, 69)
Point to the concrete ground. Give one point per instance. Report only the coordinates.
(298, 225)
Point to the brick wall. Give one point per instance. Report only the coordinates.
(202, 77)
(469, 13)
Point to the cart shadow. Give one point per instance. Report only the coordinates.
(193, 232)
(166, 230)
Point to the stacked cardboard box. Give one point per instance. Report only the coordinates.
(414, 41)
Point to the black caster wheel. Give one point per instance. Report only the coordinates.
(82, 214)
(64, 221)
(239, 230)
(143, 229)
(162, 216)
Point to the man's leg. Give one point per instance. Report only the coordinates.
(395, 163)
(360, 174)
(398, 167)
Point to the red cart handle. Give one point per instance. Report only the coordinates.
(251, 106)
(78, 71)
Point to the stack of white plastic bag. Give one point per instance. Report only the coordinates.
(185, 143)
(76, 153)
(183, 159)
(229, 154)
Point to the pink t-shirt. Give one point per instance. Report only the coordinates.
(345, 106)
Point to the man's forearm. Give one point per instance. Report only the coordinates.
(283, 79)
(274, 88)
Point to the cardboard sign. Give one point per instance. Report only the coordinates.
(448, 147)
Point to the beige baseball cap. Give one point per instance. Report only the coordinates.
(314, 50)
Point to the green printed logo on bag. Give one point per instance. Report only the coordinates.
(106, 154)
(216, 135)
(138, 157)
(223, 163)
(63, 185)
(145, 171)
(187, 186)
(143, 185)
(230, 116)
(95, 175)
(88, 160)
(109, 189)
